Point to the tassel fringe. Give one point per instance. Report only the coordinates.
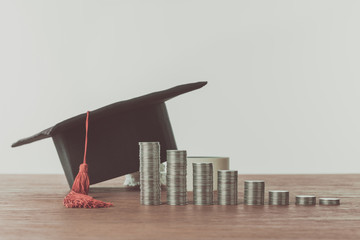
(78, 200)
(78, 196)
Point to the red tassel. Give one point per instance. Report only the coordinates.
(81, 183)
(78, 198)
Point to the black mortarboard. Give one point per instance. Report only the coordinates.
(114, 133)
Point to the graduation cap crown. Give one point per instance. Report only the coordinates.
(115, 132)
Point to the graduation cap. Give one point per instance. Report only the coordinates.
(115, 131)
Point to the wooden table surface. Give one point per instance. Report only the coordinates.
(31, 208)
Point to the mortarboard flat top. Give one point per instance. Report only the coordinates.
(114, 133)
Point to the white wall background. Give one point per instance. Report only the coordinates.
(284, 77)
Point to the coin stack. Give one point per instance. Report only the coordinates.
(227, 187)
(150, 173)
(254, 192)
(176, 177)
(329, 201)
(278, 197)
(203, 183)
(305, 200)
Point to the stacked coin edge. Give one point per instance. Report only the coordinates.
(278, 197)
(227, 190)
(254, 192)
(202, 183)
(305, 200)
(329, 201)
(150, 189)
(176, 177)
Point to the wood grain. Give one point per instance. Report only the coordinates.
(31, 208)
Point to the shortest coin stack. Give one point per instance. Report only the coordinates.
(305, 200)
(254, 192)
(176, 177)
(329, 201)
(227, 187)
(278, 197)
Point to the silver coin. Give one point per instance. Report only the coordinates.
(254, 192)
(176, 177)
(278, 197)
(305, 200)
(329, 201)
(227, 190)
(149, 156)
(202, 183)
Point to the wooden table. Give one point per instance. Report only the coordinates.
(31, 208)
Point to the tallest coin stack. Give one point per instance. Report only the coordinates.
(150, 188)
